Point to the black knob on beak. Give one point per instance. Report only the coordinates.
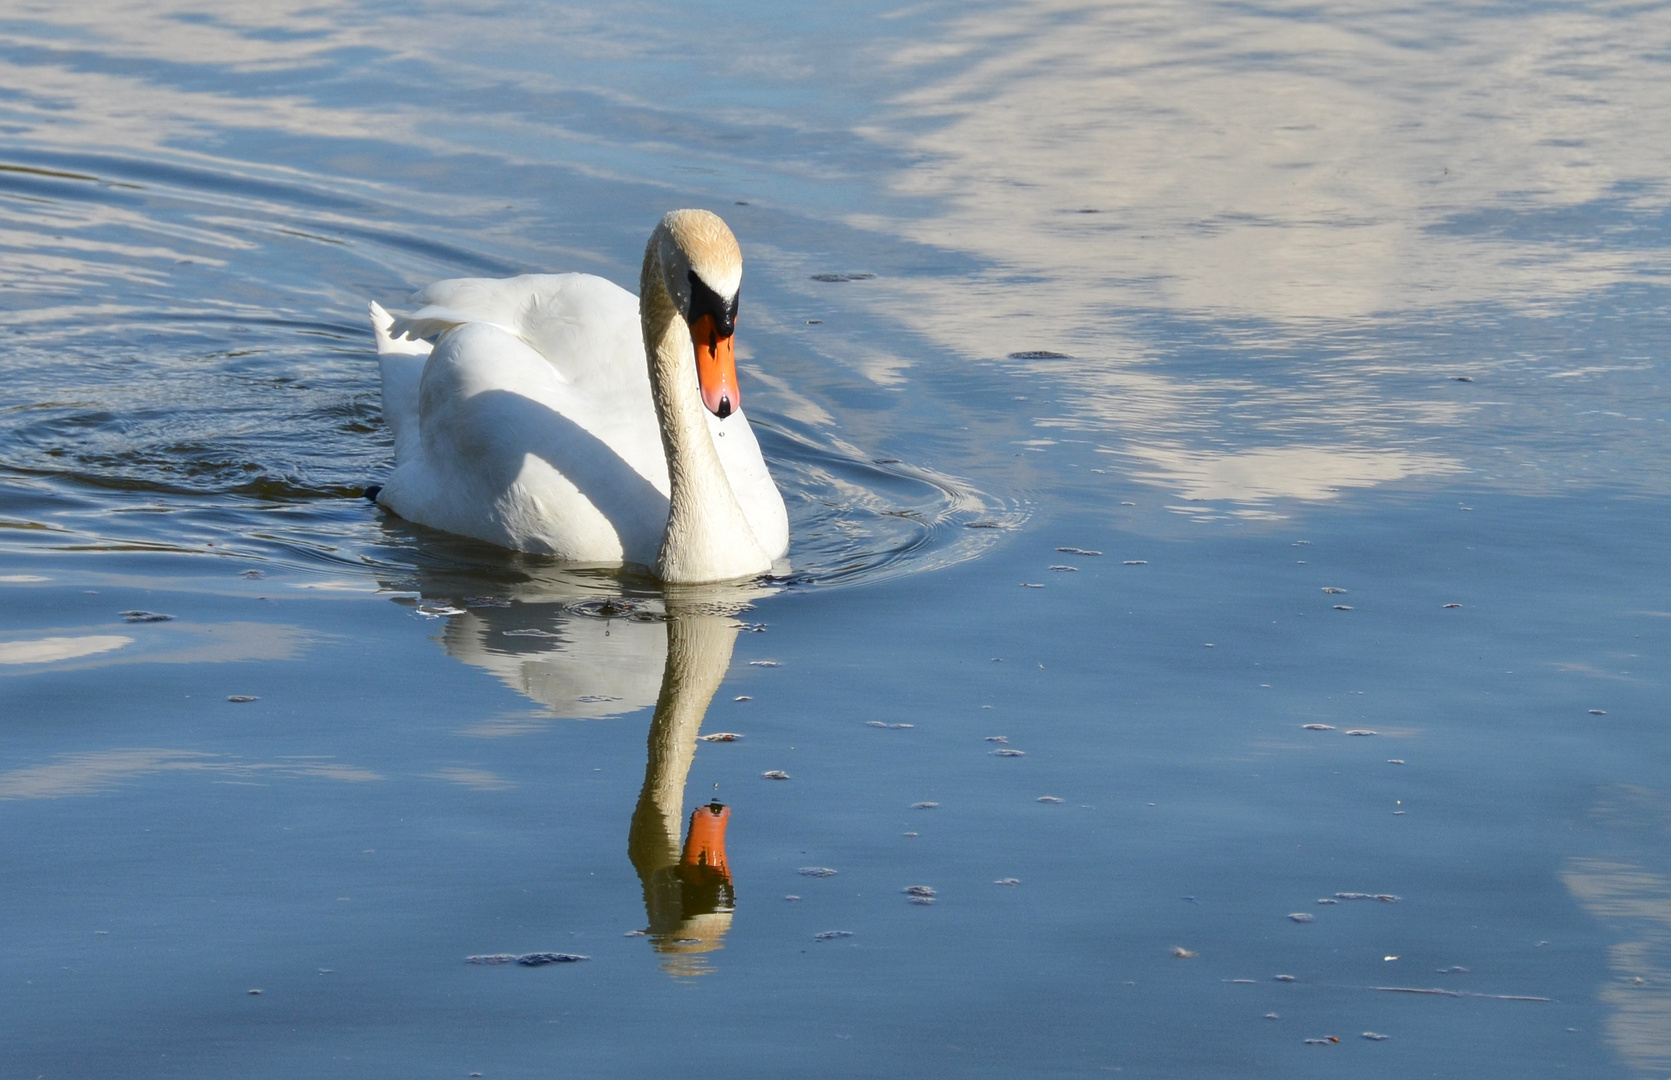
(724, 407)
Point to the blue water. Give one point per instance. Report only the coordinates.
(1225, 369)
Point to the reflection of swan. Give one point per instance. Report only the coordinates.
(555, 414)
(687, 893)
(572, 642)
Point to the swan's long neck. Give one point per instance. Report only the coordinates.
(708, 538)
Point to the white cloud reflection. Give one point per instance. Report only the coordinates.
(103, 770)
(1637, 902)
(152, 643)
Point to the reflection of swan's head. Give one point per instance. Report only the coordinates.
(700, 270)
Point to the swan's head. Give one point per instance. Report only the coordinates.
(702, 270)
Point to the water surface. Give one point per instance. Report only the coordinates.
(1194, 374)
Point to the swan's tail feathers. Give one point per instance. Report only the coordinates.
(382, 325)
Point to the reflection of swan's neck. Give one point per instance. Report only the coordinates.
(698, 654)
(707, 537)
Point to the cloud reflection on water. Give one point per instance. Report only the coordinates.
(102, 770)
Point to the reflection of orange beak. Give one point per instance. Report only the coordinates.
(705, 846)
(716, 368)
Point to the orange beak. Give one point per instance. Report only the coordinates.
(716, 368)
(705, 844)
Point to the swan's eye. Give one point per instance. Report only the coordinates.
(705, 301)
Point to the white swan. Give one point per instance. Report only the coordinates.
(558, 414)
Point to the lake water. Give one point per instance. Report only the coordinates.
(1229, 480)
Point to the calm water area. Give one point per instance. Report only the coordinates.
(1228, 454)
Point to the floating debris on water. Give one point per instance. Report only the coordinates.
(1136, 562)
(1004, 751)
(1362, 731)
(145, 616)
(1327, 1040)
(890, 727)
(764, 663)
(831, 935)
(1328, 900)
(252, 574)
(1042, 354)
(1385, 898)
(1007, 881)
(1318, 727)
(1344, 607)
(1283, 978)
(1031, 585)
(998, 738)
(1448, 606)
(843, 277)
(920, 892)
(435, 609)
(1060, 569)
(774, 774)
(742, 697)
(1332, 591)
(1300, 916)
(983, 525)
(1181, 953)
(242, 698)
(1079, 551)
(540, 959)
(1049, 799)
(1374, 1037)
(1598, 712)
(636, 933)
(792, 898)
(720, 736)
(1461, 378)
(1455, 969)
(816, 871)
(1395, 761)
(255, 992)
(924, 805)
(908, 834)
(1272, 1016)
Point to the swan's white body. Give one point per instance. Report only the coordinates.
(531, 424)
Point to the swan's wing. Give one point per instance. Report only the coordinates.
(572, 320)
(402, 365)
